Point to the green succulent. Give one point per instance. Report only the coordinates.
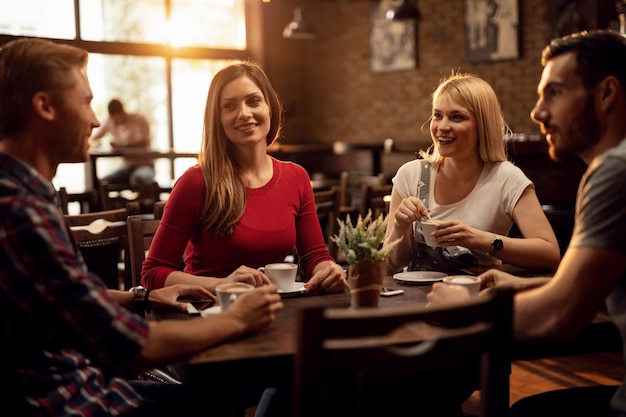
(363, 241)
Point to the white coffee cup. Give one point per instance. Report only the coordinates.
(426, 228)
(228, 292)
(470, 282)
(282, 274)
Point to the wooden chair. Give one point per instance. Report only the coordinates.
(157, 209)
(86, 200)
(114, 196)
(103, 241)
(140, 234)
(349, 361)
(351, 188)
(376, 199)
(327, 204)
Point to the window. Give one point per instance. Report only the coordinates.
(157, 56)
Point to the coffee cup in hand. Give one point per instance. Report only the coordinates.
(426, 228)
(470, 282)
(282, 274)
(228, 292)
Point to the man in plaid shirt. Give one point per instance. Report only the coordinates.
(67, 343)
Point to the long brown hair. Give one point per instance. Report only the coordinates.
(225, 198)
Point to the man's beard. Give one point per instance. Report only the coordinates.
(582, 133)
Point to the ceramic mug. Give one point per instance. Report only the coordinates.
(282, 274)
(470, 282)
(228, 292)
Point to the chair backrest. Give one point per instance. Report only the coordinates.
(350, 186)
(158, 209)
(140, 234)
(343, 355)
(103, 241)
(327, 204)
(375, 198)
(114, 196)
(86, 200)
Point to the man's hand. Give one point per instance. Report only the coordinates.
(170, 296)
(442, 294)
(256, 309)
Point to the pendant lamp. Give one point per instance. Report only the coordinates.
(407, 10)
(298, 28)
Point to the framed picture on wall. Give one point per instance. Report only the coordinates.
(393, 43)
(491, 30)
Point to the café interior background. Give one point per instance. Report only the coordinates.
(330, 89)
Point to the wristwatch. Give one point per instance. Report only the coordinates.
(496, 245)
(140, 299)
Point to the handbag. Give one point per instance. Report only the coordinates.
(451, 259)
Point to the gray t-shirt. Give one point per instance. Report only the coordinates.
(601, 223)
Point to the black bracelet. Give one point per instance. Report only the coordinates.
(146, 302)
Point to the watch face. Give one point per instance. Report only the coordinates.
(496, 245)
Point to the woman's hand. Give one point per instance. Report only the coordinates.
(455, 232)
(409, 210)
(248, 275)
(328, 277)
(172, 295)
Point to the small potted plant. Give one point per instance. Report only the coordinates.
(362, 245)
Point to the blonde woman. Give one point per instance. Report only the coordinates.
(471, 186)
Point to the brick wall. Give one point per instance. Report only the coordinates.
(331, 93)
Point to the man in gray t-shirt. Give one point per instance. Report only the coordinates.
(581, 108)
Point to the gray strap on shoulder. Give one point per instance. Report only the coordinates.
(423, 186)
(423, 190)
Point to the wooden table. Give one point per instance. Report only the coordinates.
(265, 359)
(95, 154)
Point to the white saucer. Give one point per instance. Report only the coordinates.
(419, 277)
(298, 288)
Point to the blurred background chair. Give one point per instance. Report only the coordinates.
(351, 191)
(103, 241)
(376, 199)
(84, 202)
(363, 362)
(327, 204)
(157, 209)
(114, 196)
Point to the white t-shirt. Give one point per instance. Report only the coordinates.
(489, 206)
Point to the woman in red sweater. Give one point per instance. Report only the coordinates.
(240, 208)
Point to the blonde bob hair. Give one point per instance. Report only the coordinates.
(476, 95)
(225, 198)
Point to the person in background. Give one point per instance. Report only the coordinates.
(582, 111)
(67, 342)
(472, 187)
(240, 208)
(128, 131)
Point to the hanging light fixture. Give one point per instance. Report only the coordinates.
(407, 10)
(298, 28)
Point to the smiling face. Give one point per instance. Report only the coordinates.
(453, 128)
(244, 112)
(565, 109)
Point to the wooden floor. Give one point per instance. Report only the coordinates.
(536, 376)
